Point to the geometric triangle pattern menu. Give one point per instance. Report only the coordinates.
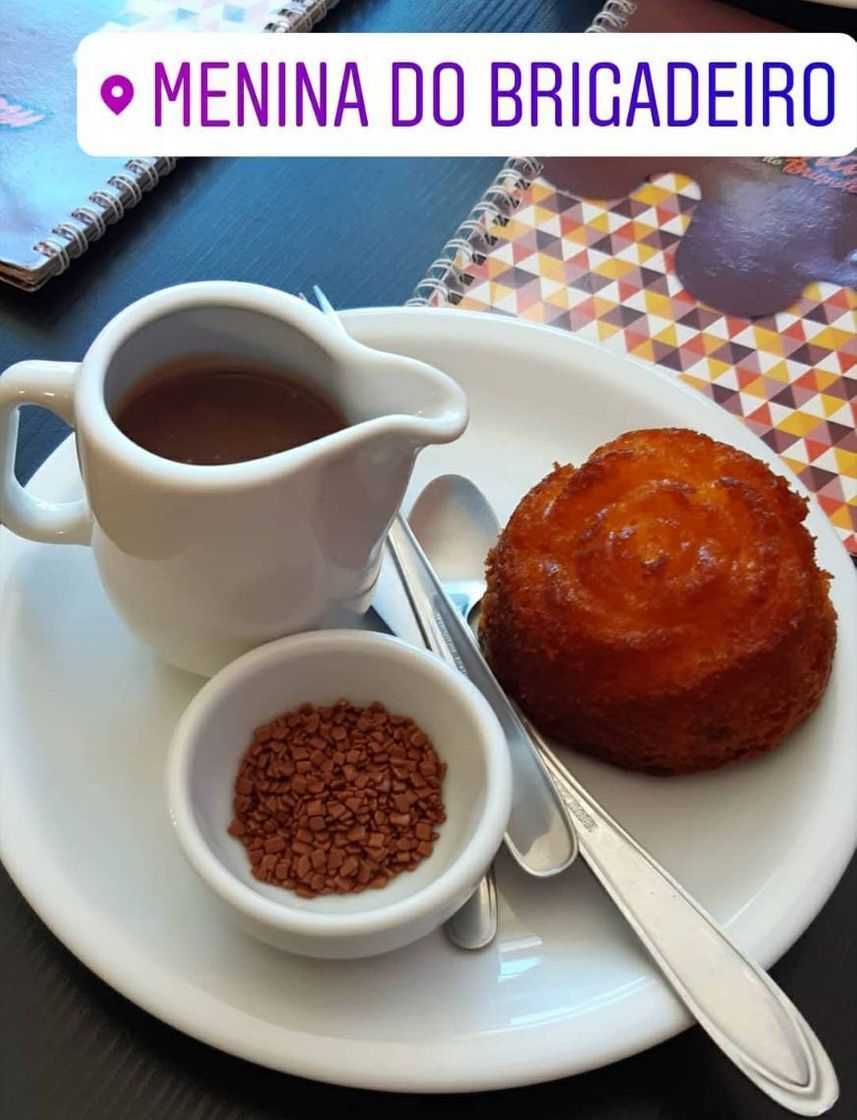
(606, 272)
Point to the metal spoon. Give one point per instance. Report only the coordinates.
(456, 528)
(540, 835)
(734, 1001)
(450, 543)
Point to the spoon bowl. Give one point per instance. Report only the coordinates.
(457, 528)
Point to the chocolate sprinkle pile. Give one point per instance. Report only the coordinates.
(335, 800)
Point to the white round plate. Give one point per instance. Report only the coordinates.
(88, 713)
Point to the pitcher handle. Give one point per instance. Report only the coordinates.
(51, 385)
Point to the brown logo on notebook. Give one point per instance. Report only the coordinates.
(762, 231)
(827, 171)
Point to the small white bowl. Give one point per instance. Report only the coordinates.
(321, 667)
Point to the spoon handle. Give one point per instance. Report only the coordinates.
(474, 925)
(540, 835)
(734, 1001)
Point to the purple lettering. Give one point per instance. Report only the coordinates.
(458, 116)
(643, 77)
(552, 93)
(351, 77)
(259, 101)
(768, 92)
(305, 88)
(594, 115)
(171, 92)
(673, 69)
(497, 69)
(399, 119)
(830, 97)
(281, 94)
(206, 94)
(715, 94)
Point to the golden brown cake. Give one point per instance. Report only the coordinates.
(660, 606)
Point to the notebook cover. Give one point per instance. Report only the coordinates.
(764, 228)
(606, 268)
(693, 15)
(45, 175)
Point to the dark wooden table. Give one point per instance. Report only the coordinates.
(364, 229)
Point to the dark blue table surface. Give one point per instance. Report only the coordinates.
(365, 230)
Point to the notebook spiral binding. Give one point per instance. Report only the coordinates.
(613, 16)
(122, 191)
(447, 277)
(300, 15)
(103, 208)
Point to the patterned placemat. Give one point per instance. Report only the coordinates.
(193, 15)
(605, 271)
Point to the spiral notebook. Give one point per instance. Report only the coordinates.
(544, 243)
(54, 199)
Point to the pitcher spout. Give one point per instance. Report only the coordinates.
(407, 398)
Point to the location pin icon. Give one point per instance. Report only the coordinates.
(117, 92)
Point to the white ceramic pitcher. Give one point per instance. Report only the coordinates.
(205, 562)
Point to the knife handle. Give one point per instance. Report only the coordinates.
(734, 1001)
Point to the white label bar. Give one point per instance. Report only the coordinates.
(241, 94)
